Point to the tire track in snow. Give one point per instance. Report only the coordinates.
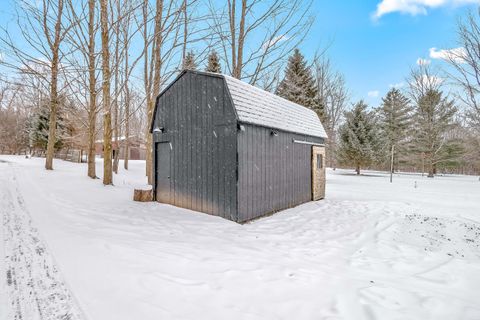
(34, 284)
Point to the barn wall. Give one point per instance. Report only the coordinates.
(274, 172)
(200, 124)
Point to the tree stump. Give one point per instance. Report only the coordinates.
(142, 195)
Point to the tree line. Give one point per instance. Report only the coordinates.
(421, 128)
(96, 66)
(432, 125)
(424, 128)
(75, 73)
(415, 134)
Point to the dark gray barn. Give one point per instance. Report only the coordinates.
(226, 148)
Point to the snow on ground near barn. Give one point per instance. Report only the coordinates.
(371, 250)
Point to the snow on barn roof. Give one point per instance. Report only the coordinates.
(256, 106)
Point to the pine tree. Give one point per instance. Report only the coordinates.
(394, 122)
(39, 129)
(434, 119)
(189, 62)
(359, 139)
(299, 85)
(213, 63)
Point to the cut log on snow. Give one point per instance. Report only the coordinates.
(142, 195)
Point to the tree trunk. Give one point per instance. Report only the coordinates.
(127, 154)
(241, 41)
(237, 48)
(91, 142)
(392, 167)
(52, 123)
(107, 118)
(157, 61)
(147, 78)
(148, 146)
(185, 30)
(127, 121)
(357, 168)
(92, 110)
(116, 62)
(431, 169)
(127, 102)
(233, 28)
(117, 143)
(55, 48)
(334, 151)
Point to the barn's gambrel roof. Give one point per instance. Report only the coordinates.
(259, 107)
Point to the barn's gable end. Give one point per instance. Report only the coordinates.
(195, 117)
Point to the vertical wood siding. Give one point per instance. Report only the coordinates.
(274, 172)
(200, 124)
(207, 150)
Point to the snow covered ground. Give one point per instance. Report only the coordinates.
(371, 250)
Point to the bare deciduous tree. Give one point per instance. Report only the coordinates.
(159, 50)
(107, 118)
(422, 80)
(92, 86)
(54, 44)
(44, 29)
(117, 15)
(283, 25)
(13, 118)
(83, 63)
(465, 61)
(333, 95)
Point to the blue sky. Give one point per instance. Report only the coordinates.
(374, 43)
(374, 53)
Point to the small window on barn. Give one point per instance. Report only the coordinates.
(319, 161)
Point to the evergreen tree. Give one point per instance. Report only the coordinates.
(39, 129)
(299, 85)
(213, 63)
(189, 62)
(434, 119)
(359, 139)
(394, 122)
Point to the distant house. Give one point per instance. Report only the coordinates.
(226, 148)
(136, 148)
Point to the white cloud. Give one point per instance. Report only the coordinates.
(456, 54)
(423, 62)
(415, 7)
(397, 85)
(373, 93)
(275, 40)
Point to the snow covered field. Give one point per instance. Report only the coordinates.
(371, 250)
